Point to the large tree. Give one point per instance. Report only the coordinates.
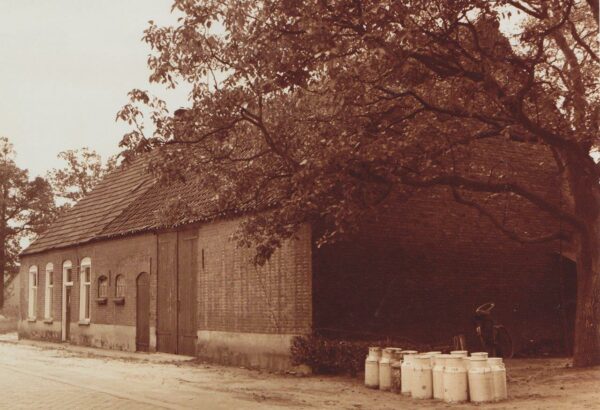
(26, 208)
(83, 169)
(320, 109)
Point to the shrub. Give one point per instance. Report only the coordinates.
(334, 356)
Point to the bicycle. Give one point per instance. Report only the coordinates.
(494, 338)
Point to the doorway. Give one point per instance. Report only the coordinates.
(176, 293)
(142, 327)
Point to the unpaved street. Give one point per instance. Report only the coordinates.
(51, 376)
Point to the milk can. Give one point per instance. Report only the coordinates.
(372, 367)
(459, 353)
(455, 380)
(466, 361)
(396, 369)
(438, 376)
(396, 377)
(406, 371)
(480, 380)
(422, 384)
(385, 369)
(498, 378)
(432, 355)
(396, 354)
(474, 354)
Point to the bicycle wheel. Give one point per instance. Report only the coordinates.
(503, 343)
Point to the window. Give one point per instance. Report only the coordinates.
(48, 294)
(120, 286)
(102, 287)
(33, 283)
(84, 289)
(67, 273)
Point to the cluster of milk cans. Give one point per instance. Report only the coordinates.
(454, 378)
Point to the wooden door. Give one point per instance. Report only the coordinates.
(67, 312)
(187, 306)
(142, 327)
(166, 301)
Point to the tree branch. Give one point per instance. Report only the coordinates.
(508, 232)
(495, 187)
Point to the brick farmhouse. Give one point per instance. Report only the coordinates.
(108, 274)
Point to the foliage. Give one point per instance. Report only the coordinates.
(26, 208)
(317, 111)
(326, 355)
(83, 170)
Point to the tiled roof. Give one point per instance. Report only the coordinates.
(129, 201)
(89, 217)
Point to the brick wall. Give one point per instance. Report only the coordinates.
(418, 269)
(128, 256)
(234, 295)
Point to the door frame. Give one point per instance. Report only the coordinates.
(65, 266)
(142, 276)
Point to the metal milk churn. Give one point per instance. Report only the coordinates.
(396, 369)
(422, 384)
(372, 367)
(474, 354)
(406, 371)
(498, 378)
(459, 353)
(455, 380)
(432, 356)
(385, 369)
(438, 376)
(481, 384)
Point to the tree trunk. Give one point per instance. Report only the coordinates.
(586, 195)
(2, 273)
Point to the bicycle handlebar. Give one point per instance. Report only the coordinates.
(486, 308)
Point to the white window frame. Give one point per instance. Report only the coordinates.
(49, 291)
(85, 290)
(32, 297)
(65, 268)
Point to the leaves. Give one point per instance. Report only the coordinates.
(26, 208)
(83, 170)
(320, 112)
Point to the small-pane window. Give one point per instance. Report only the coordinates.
(49, 291)
(120, 286)
(85, 288)
(33, 282)
(102, 287)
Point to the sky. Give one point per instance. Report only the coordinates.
(65, 69)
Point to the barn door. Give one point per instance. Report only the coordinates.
(142, 328)
(187, 269)
(166, 301)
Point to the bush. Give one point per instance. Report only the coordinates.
(333, 356)
(325, 356)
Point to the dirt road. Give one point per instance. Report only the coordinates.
(53, 376)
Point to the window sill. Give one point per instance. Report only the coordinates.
(49, 321)
(101, 301)
(31, 319)
(84, 322)
(119, 301)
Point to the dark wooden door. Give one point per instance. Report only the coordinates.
(187, 307)
(166, 301)
(67, 312)
(142, 328)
